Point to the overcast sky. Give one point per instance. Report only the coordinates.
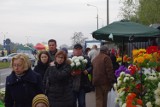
(40, 20)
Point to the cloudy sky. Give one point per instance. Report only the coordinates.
(36, 21)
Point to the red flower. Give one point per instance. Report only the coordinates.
(152, 49)
(132, 69)
(139, 102)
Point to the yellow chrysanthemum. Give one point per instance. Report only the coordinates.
(147, 56)
(134, 60)
(135, 52)
(119, 59)
(142, 50)
(140, 60)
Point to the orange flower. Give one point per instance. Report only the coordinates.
(131, 96)
(140, 59)
(147, 56)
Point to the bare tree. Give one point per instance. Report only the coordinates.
(78, 37)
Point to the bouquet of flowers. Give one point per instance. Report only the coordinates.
(138, 85)
(78, 64)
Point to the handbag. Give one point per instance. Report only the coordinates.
(88, 87)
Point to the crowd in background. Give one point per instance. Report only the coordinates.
(52, 83)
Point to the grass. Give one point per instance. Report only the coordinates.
(4, 65)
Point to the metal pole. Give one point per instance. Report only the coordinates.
(107, 12)
(97, 20)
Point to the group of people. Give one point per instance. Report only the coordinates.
(51, 83)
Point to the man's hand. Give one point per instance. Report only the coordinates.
(85, 72)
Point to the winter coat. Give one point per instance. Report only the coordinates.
(59, 88)
(21, 90)
(41, 68)
(103, 73)
(79, 81)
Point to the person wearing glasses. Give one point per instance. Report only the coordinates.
(58, 82)
(22, 85)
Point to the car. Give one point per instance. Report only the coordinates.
(31, 58)
(7, 58)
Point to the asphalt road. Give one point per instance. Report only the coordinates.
(3, 74)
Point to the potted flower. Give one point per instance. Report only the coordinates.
(78, 64)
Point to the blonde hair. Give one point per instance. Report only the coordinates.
(25, 61)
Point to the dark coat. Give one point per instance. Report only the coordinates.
(21, 90)
(59, 90)
(103, 73)
(41, 68)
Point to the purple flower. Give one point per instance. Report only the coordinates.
(120, 69)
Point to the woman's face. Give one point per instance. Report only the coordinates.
(44, 58)
(18, 67)
(60, 59)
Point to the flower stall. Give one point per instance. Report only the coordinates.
(138, 85)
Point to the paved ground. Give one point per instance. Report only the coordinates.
(90, 100)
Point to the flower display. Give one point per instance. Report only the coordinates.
(78, 64)
(146, 57)
(138, 85)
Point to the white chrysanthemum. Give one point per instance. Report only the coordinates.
(157, 102)
(72, 64)
(119, 83)
(78, 64)
(128, 75)
(118, 79)
(115, 86)
(81, 57)
(157, 92)
(125, 79)
(74, 57)
(122, 74)
(148, 104)
(85, 61)
(159, 85)
(152, 78)
(121, 93)
(131, 78)
(76, 60)
(124, 105)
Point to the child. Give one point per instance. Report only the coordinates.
(40, 100)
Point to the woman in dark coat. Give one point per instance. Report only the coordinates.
(43, 63)
(59, 88)
(22, 84)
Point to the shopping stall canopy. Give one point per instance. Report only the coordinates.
(126, 31)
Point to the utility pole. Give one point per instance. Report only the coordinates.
(107, 12)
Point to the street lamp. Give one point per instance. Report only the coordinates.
(97, 12)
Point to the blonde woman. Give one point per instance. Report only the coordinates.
(22, 84)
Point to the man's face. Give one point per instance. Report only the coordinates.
(52, 46)
(77, 52)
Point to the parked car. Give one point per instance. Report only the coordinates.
(31, 58)
(7, 58)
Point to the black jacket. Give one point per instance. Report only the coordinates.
(59, 90)
(21, 90)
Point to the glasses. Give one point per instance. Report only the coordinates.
(17, 65)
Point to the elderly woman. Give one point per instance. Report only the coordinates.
(22, 84)
(59, 90)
